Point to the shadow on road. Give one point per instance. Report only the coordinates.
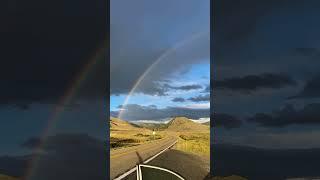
(140, 158)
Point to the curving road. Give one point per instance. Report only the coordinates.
(122, 160)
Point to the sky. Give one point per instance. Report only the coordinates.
(53, 88)
(45, 73)
(266, 88)
(160, 59)
(53, 79)
(267, 72)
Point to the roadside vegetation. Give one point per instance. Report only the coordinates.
(127, 139)
(125, 134)
(196, 143)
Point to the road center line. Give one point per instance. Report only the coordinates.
(145, 162)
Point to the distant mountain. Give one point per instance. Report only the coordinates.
(185, 124)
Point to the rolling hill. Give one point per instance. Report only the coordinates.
(118, 124)
(184, 124)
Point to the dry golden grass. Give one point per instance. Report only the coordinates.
(132, 138)
(192, 137)
(196, 143)
(125, 134)
(183, 124)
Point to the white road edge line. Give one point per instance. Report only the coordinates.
(148, 160)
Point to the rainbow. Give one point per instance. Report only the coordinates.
(78, 81)
(156, 62)
(63, 102)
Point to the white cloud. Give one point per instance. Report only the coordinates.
(198, 106)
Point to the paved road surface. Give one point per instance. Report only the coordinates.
(121, 160)
(190, 166)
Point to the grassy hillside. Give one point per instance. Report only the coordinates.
(192, 137)
(118, 124)
(195, 143)
(179, 124)
(125, 134)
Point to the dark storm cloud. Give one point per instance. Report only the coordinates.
(178, 99)
(137, 42)
(46, 45)
(155, 87)
(200, 98)
(307, 51)
(225, 120)
(254, 82)
(310, 90)
(62, 156)
(243, 15)
(138, 112)
(257, 163)
(31, 143)
(253, 30)
(184, 87)
(288, 115)
(72, 156)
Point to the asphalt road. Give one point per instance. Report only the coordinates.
(122, 160)
(190, 166)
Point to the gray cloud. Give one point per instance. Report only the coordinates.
(207, 89)
(310, 90)
(255, 82)
(62, 156)
(200, 98)
(307, 51)
(226, 120)
(136, 46)
(70, 156)
(51, 57)
(288, 115)
(178, 99)
(138, 112)
(184, 87)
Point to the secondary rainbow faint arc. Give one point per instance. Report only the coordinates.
(166, 53)
(63, 101)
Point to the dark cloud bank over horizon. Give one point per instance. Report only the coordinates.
(63, 156)
(152, 112)
(289, 115)
(251, 83)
